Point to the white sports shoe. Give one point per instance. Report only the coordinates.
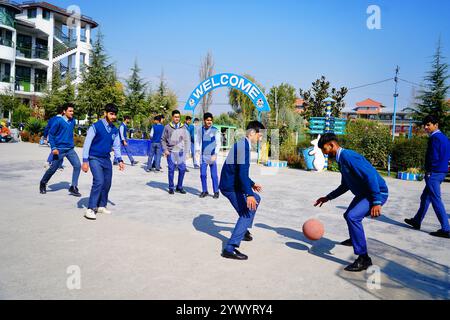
(103, 210)
(90, 214)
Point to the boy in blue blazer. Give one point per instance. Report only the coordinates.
(369, 188)
(436, 166)
(239, 189)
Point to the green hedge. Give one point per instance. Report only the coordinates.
(408, 154)
(35, 126)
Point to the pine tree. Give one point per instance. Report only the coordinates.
(135, 101)
(162, 100)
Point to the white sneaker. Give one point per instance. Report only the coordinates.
(90, 214)
(103, 210)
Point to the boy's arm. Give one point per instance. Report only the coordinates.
(87, 143)
(435, 152)
(369, 175)
(343, 188)
(53, 132)
(122, 137)
(218, 142)
(243, 168)
(164, 140)
(117, 149)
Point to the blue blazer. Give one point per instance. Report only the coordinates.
(438, 153)
(360, 177)
(235, 171)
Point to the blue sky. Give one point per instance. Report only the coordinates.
(291, 41)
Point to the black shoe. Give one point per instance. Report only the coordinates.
(204, 195)
(135, 163)
(216, 195)
(171, 191)
(441, 234)
(248, 237)
(181, 191)
(74, 192)
(412, 223)
(43, 188)
(347, 243)
(361, 264)
(236, 255)
(187, 170)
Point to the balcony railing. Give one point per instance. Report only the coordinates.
(6, 42)
(32, 53)
(6, 78)
(26, 85)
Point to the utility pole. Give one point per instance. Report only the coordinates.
(394, 117)
(276, 108)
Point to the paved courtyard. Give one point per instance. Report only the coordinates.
(156, 246)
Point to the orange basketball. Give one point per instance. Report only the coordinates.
(313, 229)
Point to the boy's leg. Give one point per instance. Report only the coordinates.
(107, 176)
(214, 176)
(181, 170)
(358, 209)
(97, 184)
(171, 171)
(51, 171)
(203, 175)
(72, 156)
(130, 156)
(158, 152)
(150, 157)
(424, 203)
(434, 188)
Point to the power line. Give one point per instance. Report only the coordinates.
(413, 83)
(370, 84)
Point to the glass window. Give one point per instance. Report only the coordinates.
(46, 14)
(32, 13)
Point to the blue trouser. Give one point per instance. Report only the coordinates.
(102, 171)
(356, 212)
(176, 159)
(50, 158)
(206, 161)
(127, 150)
(246, 217)
(194, 160)
(432, 194)
(72, 156)
(155, 154)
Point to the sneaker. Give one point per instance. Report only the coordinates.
(413, 224)
(103, 210)
(43, 188)
(216, 195)
(171, 191)
(204, 195)
(181, 191)
(441, 234)
(135, 163)
(74, 192)
(90, 215)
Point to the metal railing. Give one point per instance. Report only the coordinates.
(32, 53)
(6, 78)
(6, 42)
(27, 85)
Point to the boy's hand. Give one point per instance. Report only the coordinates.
(125, 144)
(320, 202)
(121, 166)
(375, 212)
(55, 152)
(85, 167)
(251, 203)
(258, 188)
(167, 153)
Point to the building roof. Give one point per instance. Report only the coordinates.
(64, 12)
(370, 103)
(12, 5)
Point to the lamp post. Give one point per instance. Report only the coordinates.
(328, 118)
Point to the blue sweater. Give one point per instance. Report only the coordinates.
(360, 177)
(235, 171)
(438, 153)
(49, 125)
(61, 134)
(101, 138)
(157, 133)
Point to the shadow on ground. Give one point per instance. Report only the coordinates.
(205, 223)
(165, 187)
(59, 186)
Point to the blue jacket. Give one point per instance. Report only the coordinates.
(235, 171)
(61, 134)
(360, 177)
(438, 153)
(49, 125)
(157, 132)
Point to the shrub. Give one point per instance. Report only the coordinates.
(25, 135)
(408, 154)
(79, 141)
(333, 166)
(369, 138)
(35, 126)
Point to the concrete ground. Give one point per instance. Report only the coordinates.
(156, 246)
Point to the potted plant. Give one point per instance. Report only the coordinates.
(412, 174)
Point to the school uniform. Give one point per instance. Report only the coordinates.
(193, 132)
(176, 140)
(369, 188)
(436, 166)
(101, 138)
(61, 138)
(208, 144)
(154, 156)
(123, 131)
(236, 186)
(46, 136)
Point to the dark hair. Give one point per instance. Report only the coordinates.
(196, 119)
(208, 115)
(174, 112)
(188, 118)
(157, 118)
(429, 119)
(111, 107)
(59, 109)
(66, 106)
(126, 118)
(256, 126)
(162, 116)
(326, 138)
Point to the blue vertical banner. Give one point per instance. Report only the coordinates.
(232, 81)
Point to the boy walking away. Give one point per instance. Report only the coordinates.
(62, 144)
(369, 188)
(176, 145)
(193, 134)
(208, 145)
(123, 129)
(101, 137)
(239, 189)
(436, 166)
(155, 147)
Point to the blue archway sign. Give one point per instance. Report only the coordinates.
(232, 81)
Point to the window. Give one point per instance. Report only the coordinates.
(46, 14)
(32, 13)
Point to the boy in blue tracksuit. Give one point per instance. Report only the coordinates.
(101, 138)
(239, 189)
(436, 166)
(62, 144)
(154, 156)
(369, 188)
(207, 144)
(123, 134)
(47, 131)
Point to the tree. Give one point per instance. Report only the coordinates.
(9, 103)
(162, 100)
(57, 94)
(242, 105)
(99, 84)
(433, 98)
(321, 90)
(135, 101)
(206, 71)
